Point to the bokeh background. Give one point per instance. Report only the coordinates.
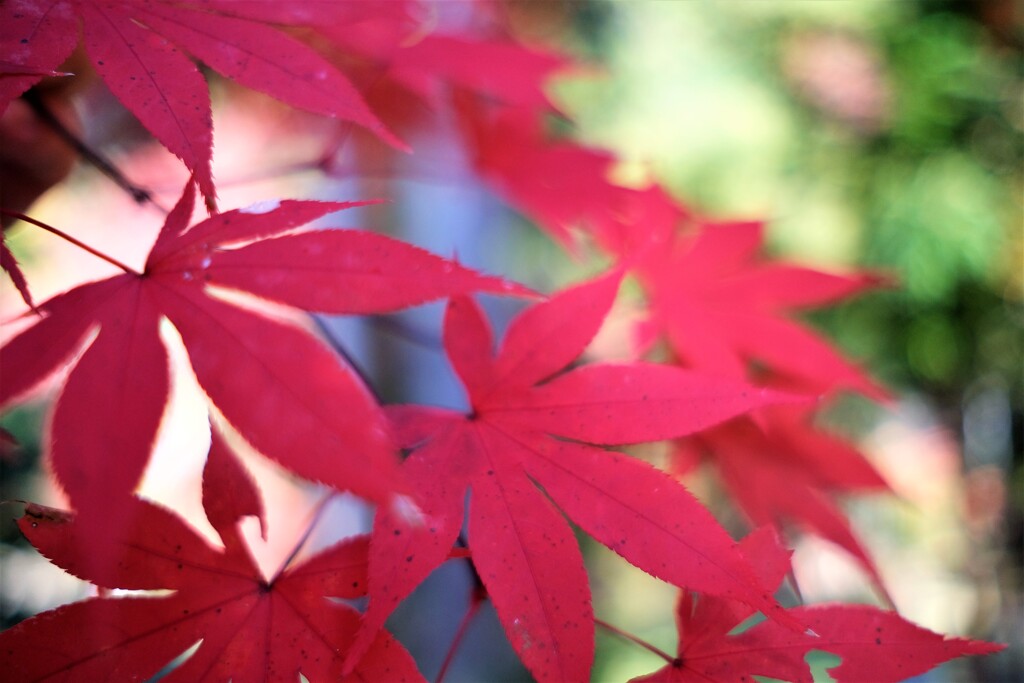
(885, 135)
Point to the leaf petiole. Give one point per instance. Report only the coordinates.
(476, 598)
(69, 238)
(139, 194)
(634, 639)
(314, 517)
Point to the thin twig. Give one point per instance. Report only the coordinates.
(399, 328)
(477, 596)
(69, 238)
(340, 349)
(475, 600)
(314, 518)
(478, 583)
(106, 167)
(459, 553)
(634, 639)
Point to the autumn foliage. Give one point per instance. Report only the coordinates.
(723, 369)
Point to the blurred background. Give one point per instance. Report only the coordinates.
(883, 135)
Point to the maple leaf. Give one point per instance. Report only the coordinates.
(719, 306)
(136, 46)
(414, 85)
(285, 391)
(557, 183)
(779, 467)
(876, 646)
(529, 428)
(504, 71)
(35, 38)
(246, 627)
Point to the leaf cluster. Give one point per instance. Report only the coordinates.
(494, 486)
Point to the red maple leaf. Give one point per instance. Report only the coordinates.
(780, 468)
(719, 305)
(557, 183)
(415, 87)
(246, 627)
(139, 47)
(876, 646)
(530, 427)
(286, 392)
(502, 70)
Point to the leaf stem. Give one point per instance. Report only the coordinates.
(314, 518)
(478, 582)
(459, 554)
(69, 238)
(475, 600)
(399, 328)
(339, 348)
(634, 639)
(139, 194)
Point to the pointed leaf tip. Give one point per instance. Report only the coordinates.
(229, 491)
(549, 335)
(9, 264)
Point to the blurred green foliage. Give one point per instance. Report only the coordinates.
(886, 135)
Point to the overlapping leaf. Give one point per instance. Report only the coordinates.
(36, 36)
(494, 90)
(139, 49)
(284, 390)
(528, 430)
(719, 306)
(557, 183)
(247, 627)
(525, 450)
(876, 646)
(504, 71)
(780, 468)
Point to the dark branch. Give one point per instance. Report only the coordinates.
(139, 194)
